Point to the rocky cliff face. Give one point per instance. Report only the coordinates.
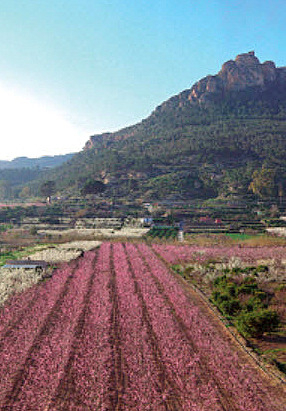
(237, 75)
(97, 139)
(103, 140)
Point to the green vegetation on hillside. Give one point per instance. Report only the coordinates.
(234, 147)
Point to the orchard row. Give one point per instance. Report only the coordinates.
(116, 331)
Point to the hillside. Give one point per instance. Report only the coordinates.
(21, 171)
(204, 142)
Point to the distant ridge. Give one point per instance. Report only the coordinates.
(41, 162)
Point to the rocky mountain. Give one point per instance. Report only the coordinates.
(237, 75)
(244, 73)
(207, 141)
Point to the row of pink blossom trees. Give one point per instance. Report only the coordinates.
(115, 330)
(232, 373)
(34, 353)
(193, 387)
(87, 384)
(175, 254)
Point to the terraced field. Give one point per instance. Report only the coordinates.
(116, 331)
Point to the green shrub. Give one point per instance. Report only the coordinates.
(220, 281)
(249, 270)
(256, 302)
(249, 280)
(236, 270)
(231, 289)
(247, 288)
(262, 268)
(189, 269)
(256, 323)
(261, 296)
(219, 297)
(246, 304)
(178, 268)
(226, 270)
(230, 306)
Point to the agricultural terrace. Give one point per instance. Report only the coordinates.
(64, 252)
(115, 330)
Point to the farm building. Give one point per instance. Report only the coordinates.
(38, 265)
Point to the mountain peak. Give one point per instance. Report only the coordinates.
(238, 75)
(246, 71)
(247, 59)
(235, 75)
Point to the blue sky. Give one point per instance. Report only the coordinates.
(72, 68)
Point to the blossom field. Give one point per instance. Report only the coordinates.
(114, 330)
(174, 254)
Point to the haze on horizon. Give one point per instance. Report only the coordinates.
(70, 71)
